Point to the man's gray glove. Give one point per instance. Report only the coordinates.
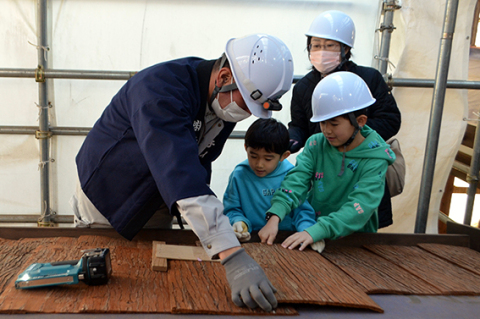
(249, 284)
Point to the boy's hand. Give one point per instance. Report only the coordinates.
(302, 238)
(268, 233)
(241, 231)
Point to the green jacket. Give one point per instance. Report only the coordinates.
(343, 204)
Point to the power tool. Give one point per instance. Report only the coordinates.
(94, 268)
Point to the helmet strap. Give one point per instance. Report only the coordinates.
(353, 121)
(343, 58)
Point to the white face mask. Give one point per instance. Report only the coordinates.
(230, 113)
(325, 61)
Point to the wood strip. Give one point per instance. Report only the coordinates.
(158, 263)
(202, 288)
(448, 278)
(179, 252)
(461, 256)
(376, 274)
(307, 277)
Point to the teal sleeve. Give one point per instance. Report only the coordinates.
(303, 217)
(295, 186)
(232, 204)
(359, 208)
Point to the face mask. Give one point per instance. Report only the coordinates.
(325, 61)
(230, 113)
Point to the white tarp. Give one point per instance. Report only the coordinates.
(127, 35)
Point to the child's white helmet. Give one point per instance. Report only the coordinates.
(339, 93)
(333, 25)
(262, 67)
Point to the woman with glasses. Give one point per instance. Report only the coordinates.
(330, 40)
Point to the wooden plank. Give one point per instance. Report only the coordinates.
(307, 277)
(377, 275)
(158, 263)
(447, 277)
(180, 252)
(461, 256)
(202, 287)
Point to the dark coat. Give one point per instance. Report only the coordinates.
(143, 150)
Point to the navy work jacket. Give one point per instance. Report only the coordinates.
(143, 150)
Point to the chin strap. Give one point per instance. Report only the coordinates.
(354, 122)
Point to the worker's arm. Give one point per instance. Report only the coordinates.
(248, 282)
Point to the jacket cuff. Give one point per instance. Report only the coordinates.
(317, 232)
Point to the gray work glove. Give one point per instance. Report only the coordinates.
(249, 284)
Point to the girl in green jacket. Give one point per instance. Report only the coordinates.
(341, 171)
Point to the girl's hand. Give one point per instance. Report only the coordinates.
(302, 238)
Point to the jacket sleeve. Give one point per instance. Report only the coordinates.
(361, 204)
(205, 215)
(294, 188)
(384, 115)
(303, 216)
(232, 203)
(298, 126)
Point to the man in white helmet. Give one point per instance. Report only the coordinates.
(149, 155)
(330, 40)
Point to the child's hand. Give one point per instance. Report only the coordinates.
(241, 231)
(302, 238)
(270, 230)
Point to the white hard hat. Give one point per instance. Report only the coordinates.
(262, 67)
(339, 93)
(333, 25)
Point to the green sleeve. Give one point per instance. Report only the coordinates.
(295, 186)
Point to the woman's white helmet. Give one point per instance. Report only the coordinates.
(333, 25)
(339, 93)
(262, 67)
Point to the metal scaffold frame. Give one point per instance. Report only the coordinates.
(44, 131)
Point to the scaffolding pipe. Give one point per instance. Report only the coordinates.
(43, 103)
(472, 178)
(386, 28)
(68, 74)
(424, 83)
(436, 115)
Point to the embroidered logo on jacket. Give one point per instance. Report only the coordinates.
(268, 192)
(353, 165)
(197, 125)
(373, 144)
(358, 208)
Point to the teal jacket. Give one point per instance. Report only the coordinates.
(343, 204)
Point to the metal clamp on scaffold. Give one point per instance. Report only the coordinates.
(39, 74)
(43, 134)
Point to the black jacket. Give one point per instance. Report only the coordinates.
(383, 116)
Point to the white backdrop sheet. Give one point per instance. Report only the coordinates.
(127, 35)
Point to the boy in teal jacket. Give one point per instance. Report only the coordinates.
(254, 181)
(341, 170)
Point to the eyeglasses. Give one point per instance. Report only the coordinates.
(326, 47)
